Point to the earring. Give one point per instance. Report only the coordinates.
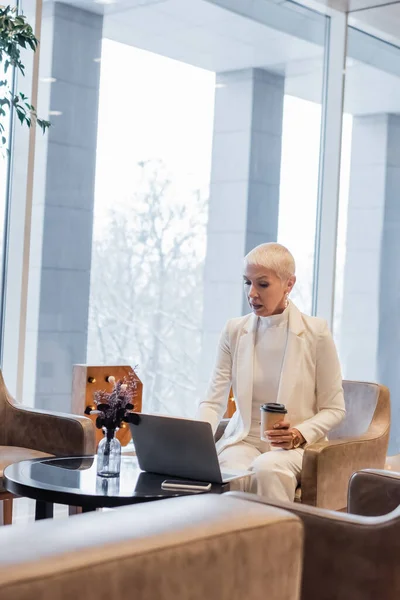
(286, 299)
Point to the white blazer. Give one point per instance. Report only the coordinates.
(310, 382)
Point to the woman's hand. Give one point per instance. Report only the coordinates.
(282, 436)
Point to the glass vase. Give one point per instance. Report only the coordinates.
(109, 455)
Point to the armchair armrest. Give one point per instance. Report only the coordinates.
(346, 556)
(374, 492)
(52, 432)
(328, 466)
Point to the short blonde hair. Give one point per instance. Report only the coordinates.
(272, 256)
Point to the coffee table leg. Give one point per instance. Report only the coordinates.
(43, 510)
(86, 509)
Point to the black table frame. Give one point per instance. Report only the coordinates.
(46, 498)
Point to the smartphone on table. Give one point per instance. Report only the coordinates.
(182, 484)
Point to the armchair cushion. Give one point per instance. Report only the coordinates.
(361, 399)
(13, 454)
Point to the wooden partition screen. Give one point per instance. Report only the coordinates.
(87, 379)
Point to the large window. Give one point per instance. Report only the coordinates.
(150, 213)
(367, 318)
(342, 227)
(299, 190)
(175, 132)
(118, 231)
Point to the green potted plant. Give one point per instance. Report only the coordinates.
(15, 33)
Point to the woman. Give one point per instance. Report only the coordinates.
(275, 354)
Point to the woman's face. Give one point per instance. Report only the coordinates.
(265, 291)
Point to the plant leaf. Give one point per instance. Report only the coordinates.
(21, 115)
(16, 34)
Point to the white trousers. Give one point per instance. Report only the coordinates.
(276, 473)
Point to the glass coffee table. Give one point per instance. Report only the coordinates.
(74, 481)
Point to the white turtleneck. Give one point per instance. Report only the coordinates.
(269, 351)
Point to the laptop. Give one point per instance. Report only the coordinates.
(178, 447)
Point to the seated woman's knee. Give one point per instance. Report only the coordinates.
(268, 462)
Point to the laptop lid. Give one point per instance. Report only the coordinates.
(176, 447)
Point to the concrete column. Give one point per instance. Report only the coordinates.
(62, 219)
(370, 325)
(244, 192)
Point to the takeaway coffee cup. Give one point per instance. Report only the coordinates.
(271, 413)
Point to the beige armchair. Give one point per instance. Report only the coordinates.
(199, 547)
(352, 557)
(27, 433)
(360, 442)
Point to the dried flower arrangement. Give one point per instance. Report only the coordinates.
(112, 408)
